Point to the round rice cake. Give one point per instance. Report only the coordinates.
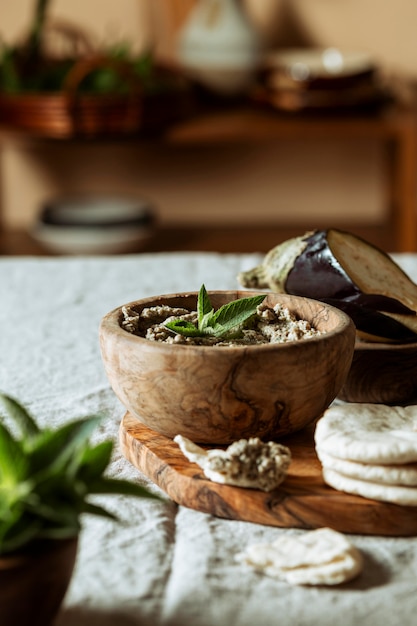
(405, 475)
(336, 572)
(319, 557)
(405, 496)
(369, 433)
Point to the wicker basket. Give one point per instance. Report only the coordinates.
(56, 116)
(70, 113)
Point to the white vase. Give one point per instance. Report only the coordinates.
(219, 47)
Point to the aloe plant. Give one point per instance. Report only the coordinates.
(226, 321)
(47, 476)
(25, 67)
(37, 26)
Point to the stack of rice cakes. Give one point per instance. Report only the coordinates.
(370, 450)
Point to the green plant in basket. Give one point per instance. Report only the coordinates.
(47, 476)
(26, 67)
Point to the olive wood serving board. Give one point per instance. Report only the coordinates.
(303, 500)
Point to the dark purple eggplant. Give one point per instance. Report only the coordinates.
(373, 324)
(341, 268)
(378, 302)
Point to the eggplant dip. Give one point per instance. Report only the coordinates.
(269, 325)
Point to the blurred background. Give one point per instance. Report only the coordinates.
(220, 193)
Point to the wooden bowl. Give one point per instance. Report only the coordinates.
(382, 373)
(221, 394)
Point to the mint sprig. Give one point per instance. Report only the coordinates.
(220, 323)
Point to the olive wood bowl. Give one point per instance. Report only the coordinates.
(382, 373)
(221, 394)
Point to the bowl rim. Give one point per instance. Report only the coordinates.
(111, 321)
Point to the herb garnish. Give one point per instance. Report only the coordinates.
(220, 323)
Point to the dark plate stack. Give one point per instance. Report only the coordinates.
(94, 224)
(316, 79)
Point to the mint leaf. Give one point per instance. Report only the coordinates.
(204, 308)
(218, 323)
(235, 313)
(206, 323)
(181, 327)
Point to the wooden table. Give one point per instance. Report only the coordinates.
(394, 126)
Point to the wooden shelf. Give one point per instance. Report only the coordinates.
(395, 126)
(259, 123)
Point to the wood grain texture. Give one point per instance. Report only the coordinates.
(302, 501)
(382, 373)
(218, 395)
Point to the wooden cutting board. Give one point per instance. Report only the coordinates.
(301, 501)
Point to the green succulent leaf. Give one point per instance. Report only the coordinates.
(47, 476)
(13, 462)
(9, 75)
(96, 509)
(18, 531)
(121, 487)
(58, 514)
(20, 416)
(54, 448)
(59, 532)
(94, 461)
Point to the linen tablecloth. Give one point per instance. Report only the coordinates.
(163, 564)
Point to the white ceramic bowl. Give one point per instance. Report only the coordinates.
(94, 225)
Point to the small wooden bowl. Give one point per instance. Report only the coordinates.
(217, 395)
(382, 373)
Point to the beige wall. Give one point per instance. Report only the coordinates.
(103, 19)
(281, 182)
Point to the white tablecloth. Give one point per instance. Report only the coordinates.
(163, 564)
